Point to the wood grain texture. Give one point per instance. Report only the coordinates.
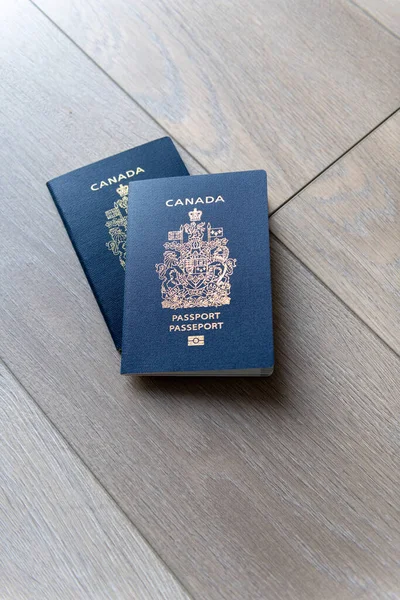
(346, 227)
(386, 12)
(275, 489)
(285, 86)
(271, 489)
(61, 535)
(77, 115)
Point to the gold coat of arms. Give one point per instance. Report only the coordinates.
(117, 224)
(196, 268)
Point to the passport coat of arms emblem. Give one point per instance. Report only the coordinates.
(197, 267)
(117, 223)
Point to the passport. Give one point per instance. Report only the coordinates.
(198, 283)
(93, 204)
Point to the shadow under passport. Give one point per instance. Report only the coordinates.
(251, 390)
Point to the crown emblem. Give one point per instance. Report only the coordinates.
(195, 215)
(196, 268)
(122, 190)
(117, 218)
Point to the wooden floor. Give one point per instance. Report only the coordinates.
(271, 489)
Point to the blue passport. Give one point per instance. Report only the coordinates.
(197, 284)
(93, 204)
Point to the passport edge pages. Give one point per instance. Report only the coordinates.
(105, 182)
(199, 237)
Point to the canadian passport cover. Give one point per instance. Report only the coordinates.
(197, 285)
(93, 204)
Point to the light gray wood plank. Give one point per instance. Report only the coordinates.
(61, 535)
(346, 227)
(280, 489)
(270, 489)
(386, 12)
(285, 86)
(80, 116)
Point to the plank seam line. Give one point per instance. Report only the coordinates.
(293, 196)
(142, 109)
(97, 480)
(371, 16)
(326, 286)
(152, 118)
